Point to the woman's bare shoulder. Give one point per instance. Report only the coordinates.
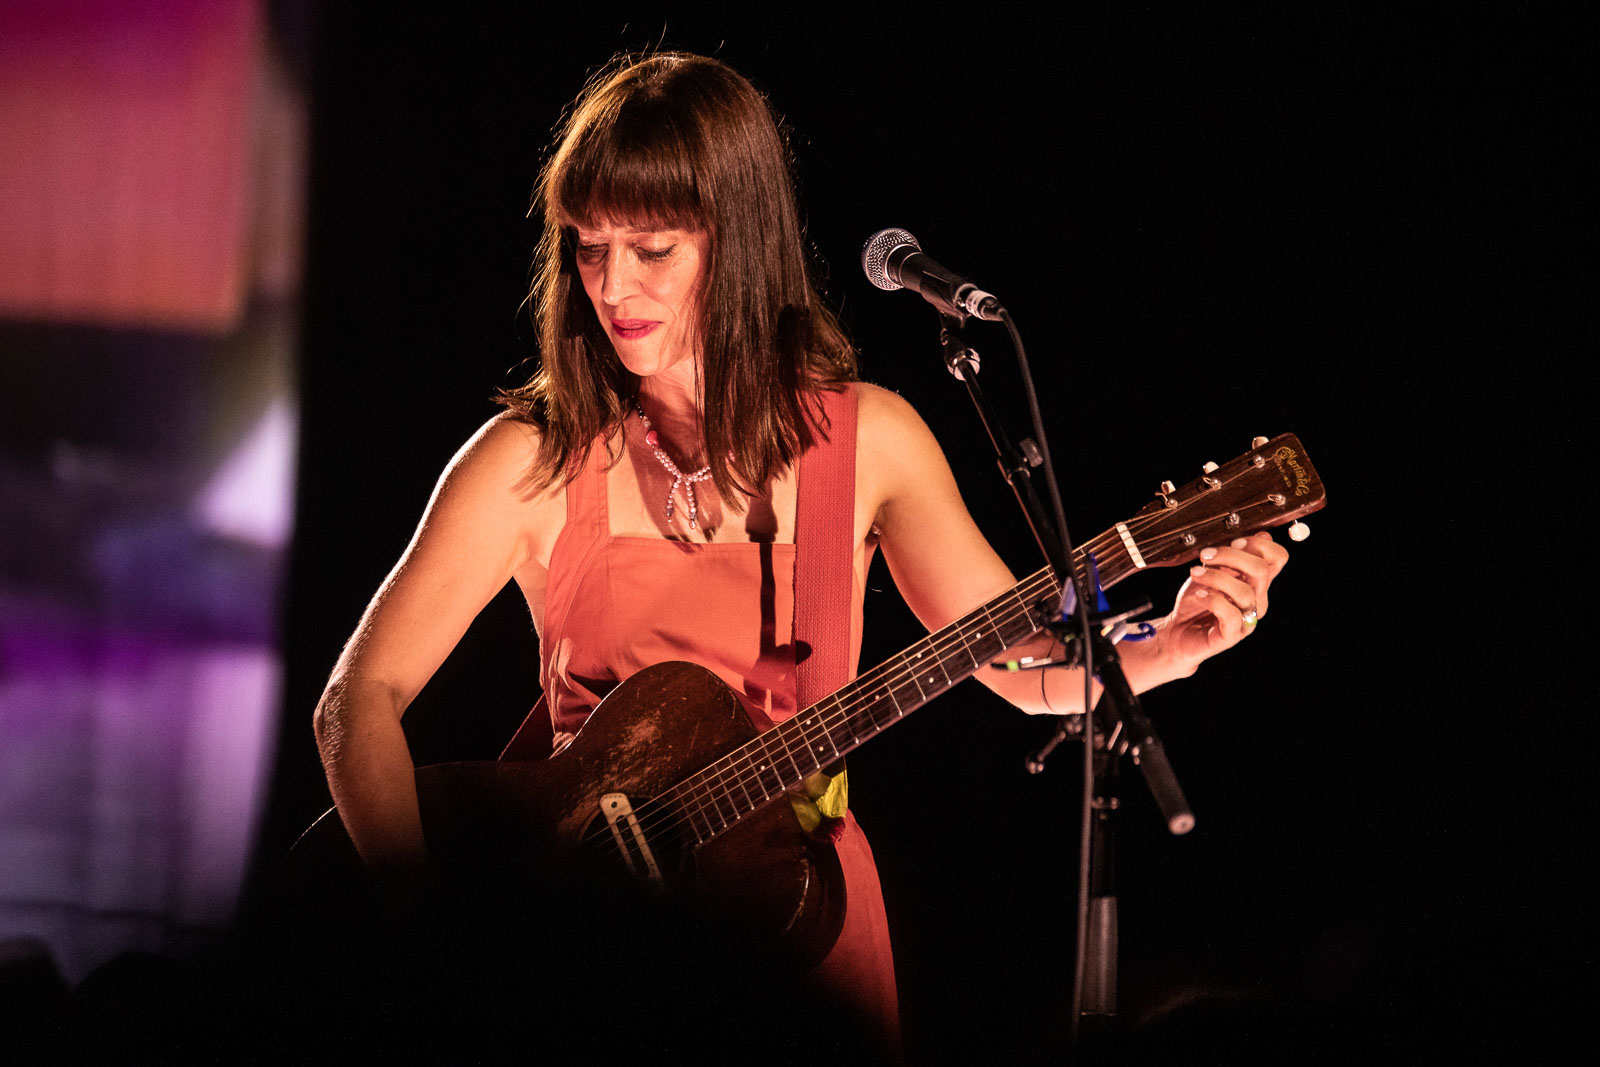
(880, 410)
(886, 422)
(499, 456)
(487, 491)
(503, 439)
(896, 452)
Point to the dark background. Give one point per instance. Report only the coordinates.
(1208, 226)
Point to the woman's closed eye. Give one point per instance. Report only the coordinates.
(596, 253)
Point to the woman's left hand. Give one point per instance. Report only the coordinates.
(1222, 602)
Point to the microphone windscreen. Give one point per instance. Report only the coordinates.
(875, 256)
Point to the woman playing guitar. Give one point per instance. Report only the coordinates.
(642, 488)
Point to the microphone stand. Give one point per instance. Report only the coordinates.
(1117, 724)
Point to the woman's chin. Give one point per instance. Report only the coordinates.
(651, 364)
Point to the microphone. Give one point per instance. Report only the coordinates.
(894, 260)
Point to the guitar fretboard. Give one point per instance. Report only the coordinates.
(1271, 485)
(782, 758)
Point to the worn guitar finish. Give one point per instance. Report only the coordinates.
(705, 791)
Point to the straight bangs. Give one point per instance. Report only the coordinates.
(628, 166)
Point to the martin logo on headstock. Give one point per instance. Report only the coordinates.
(1294, 472)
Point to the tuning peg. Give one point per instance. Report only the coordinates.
(1299, 531)
(1208, 468)
(1167, 489)
(1257, 442)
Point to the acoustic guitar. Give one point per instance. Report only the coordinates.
(671, 781)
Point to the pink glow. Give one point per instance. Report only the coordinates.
(125, 160)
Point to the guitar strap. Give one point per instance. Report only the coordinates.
(532, 739)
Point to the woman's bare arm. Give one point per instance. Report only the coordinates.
(480, 528)
(944, 567)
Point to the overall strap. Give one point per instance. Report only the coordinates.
(587, 526)
(824, 550)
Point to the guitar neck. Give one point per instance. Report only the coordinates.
(1271, 485)
(782, 758)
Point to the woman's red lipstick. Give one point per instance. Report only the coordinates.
(633, 329)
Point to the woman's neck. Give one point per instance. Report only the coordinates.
(674, 410)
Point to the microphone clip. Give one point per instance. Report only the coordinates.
(959, 357)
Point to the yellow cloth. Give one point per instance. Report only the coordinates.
(824, 797)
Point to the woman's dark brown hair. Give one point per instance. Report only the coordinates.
(677, 141)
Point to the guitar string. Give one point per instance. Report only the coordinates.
(887, 674)
(707, 790)
(766, 745)
(807, 731)
(821, 722)
(688, 799)
(672, 818)
(698, 799)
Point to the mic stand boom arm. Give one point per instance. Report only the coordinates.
(1015, 464)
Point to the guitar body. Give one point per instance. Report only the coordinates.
(506, 825)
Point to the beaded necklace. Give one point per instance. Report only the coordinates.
(653, 439)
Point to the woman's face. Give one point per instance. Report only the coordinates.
(645, 288)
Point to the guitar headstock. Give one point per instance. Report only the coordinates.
(1272, 484)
